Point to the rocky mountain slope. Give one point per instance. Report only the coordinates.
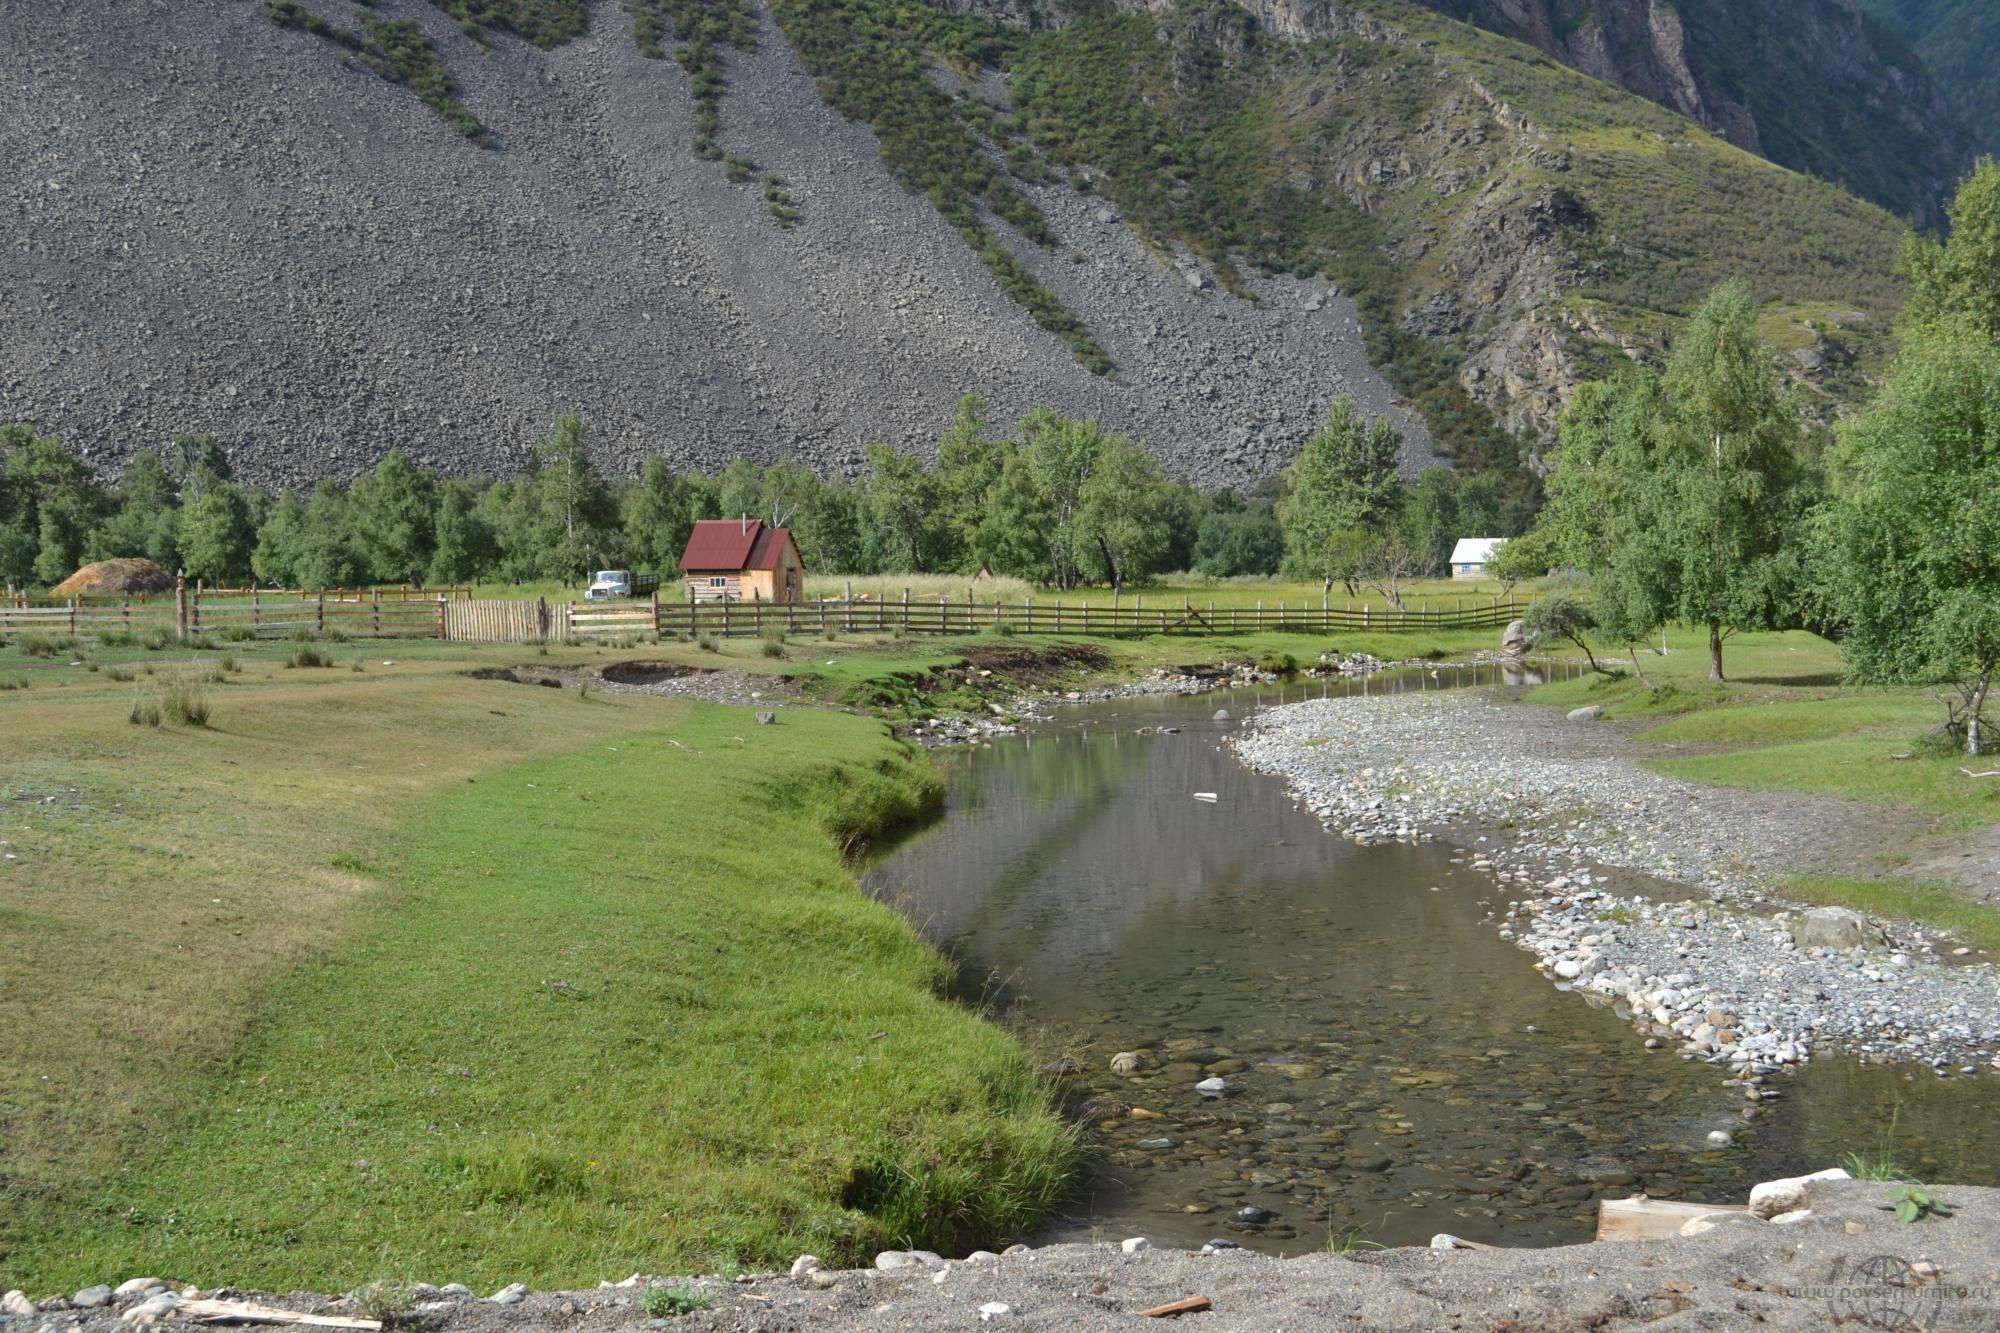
(401, 224)
(1811, 84)
(1959, 40)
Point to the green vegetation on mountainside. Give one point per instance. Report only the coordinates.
(1827, 96)
(1959, 40)
(1460, 186)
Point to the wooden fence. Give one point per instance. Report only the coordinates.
(1057, 617)
(186, 613)
(370, 613)
(496, 622)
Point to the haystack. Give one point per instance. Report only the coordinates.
(116, 576)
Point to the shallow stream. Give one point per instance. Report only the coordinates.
(1398, 1069)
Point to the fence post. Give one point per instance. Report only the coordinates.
(542, 617)
(442, 635)
(656, 613)
(319, 611)
(850, 606)
(72, 614)
(375, 606)
(725, 613)
(128, 613)
(181, 605)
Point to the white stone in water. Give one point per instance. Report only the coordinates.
(1212, 1087)
(1134, 1244)
(1128, 1062)
(1719, 1138)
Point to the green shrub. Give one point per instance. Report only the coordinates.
(230, 664)
(37, 645)
(707, 644)
(672, 1302)
(383, 1300)
(123, 675)
(117, 638)
(307, 655)
(1278, 664)
(157, 638)
(13, 682)
(773, 648)
(338, 635)
(238, 634)
(202, 643)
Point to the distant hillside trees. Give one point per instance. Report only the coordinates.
(1057, 500)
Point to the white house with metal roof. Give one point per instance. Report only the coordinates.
(1470, 557)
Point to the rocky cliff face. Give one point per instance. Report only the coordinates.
(1810, 84)
(217, 225)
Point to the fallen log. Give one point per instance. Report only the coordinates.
(1640, 1218)
(243, 1312)
(1186, 1305)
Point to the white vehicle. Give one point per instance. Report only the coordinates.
(609, 583)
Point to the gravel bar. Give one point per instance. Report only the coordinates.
(1640, 890)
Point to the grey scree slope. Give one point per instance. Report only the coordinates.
(212, 226)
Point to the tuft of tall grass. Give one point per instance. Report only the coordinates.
(183, 700)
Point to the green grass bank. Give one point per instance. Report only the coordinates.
(613, 1010)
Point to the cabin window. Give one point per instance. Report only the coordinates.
(717, 581)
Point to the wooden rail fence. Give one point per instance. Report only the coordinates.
(369, 613)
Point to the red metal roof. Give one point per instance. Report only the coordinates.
(733, 544)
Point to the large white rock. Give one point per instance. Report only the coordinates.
(157, 1306)
(1833, 928)
(17, 1303)
(1783, 1196)
(1134, 1244)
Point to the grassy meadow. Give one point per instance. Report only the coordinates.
(392, 972)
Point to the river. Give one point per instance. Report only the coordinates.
(1396, 1069)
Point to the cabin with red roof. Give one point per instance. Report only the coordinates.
(742, 560)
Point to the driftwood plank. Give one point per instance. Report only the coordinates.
(1641, 1218)
(243, 1312)
(1186, 1305)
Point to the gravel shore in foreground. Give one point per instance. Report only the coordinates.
(1843, 1261)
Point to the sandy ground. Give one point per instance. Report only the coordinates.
(1851, 1264)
